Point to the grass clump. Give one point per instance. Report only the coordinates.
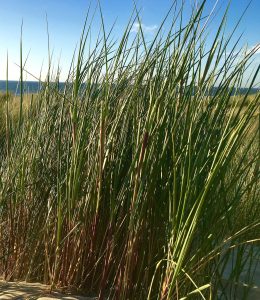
(130, 182)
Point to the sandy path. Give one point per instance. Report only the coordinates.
(23, 290)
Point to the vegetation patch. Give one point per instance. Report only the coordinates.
(126, 183)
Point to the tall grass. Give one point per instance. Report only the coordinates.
(133, 182)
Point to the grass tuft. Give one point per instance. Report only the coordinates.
(134, 182)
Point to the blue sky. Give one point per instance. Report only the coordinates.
(66, 18)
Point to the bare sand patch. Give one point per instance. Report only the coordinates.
(24, 290)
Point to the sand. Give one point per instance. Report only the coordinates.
(23, 290)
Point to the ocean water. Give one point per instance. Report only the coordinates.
(14, 86)
(35, 86)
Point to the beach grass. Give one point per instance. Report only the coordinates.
(132, 182)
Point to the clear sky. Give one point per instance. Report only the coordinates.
(66, 18)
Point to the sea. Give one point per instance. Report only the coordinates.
(28, 86)
(35, 86)
(14, 86)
